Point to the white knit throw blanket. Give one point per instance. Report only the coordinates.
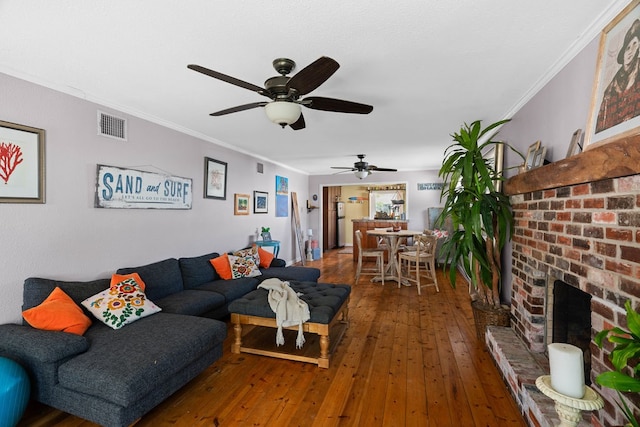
(289, 309)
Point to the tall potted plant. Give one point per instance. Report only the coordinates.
(481, 216)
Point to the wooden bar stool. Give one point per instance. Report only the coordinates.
(422, 254)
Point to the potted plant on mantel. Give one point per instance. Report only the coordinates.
(482, 219)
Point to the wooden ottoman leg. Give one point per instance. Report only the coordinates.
(237, 328)
(323, 360)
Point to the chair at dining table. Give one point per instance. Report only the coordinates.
(376, 254)
(419, 262)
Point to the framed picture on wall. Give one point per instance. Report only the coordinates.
(615, 100)
(21, 164)
(241, 204)
(260, 202)
(215, 179)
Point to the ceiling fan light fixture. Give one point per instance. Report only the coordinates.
(282, 113)
(361, 174)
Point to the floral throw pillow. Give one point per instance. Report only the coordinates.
(252, 252)
(243, 267)
(123, 303)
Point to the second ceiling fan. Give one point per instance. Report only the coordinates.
(362, 169)
(285, 92)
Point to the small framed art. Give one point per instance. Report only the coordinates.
(241, 204)
(21, 164)
(574, 146)
(531, 155)
(260, 202)
(538, 158)
(215, 179)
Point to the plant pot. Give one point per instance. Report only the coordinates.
(485, 315)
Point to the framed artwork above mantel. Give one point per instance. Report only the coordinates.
(615, 100)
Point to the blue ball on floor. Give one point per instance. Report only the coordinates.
(14, 392)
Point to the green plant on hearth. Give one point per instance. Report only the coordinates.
(481, 214)
(624, 358)
(265, 229)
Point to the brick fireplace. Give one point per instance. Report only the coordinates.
(578, 221)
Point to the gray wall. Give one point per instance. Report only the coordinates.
(68, 239)
(551, 116)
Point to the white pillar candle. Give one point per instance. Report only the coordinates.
(567, 370)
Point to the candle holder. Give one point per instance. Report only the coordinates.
(569, 408)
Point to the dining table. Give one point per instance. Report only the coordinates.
(393, 240)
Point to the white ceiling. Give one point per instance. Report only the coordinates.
(426, 66)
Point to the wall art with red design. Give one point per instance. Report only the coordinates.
(21, 164)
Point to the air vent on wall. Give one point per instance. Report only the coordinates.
(112, 126)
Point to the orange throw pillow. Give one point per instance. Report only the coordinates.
(117, 278)
(58, 313)
(222, 266)
(265, 257)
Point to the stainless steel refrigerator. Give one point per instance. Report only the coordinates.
(340, 226)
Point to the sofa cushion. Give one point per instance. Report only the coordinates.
(123, 303)
(301, 274)
(37, 290)
(231, 289)
(197, 270)
(191, 302)
(162, 278)
(123, 366)
(58, 313)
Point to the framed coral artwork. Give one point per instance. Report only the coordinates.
(215, 179)
(21, 164)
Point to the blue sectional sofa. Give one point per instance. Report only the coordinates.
(113, 377)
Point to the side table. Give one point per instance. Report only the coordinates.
(274, 243)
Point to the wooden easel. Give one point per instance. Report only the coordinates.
(296, 225)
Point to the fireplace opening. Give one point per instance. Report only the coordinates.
(572, 320)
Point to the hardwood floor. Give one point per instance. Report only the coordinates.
(404, 361)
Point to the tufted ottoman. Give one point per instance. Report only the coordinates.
(328, 307)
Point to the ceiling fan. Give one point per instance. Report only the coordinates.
(285, 92)
(362, 169)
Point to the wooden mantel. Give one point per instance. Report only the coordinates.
(612, 160)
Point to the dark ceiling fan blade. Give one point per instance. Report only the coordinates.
(313, 75)
(228, 79)
(336, 105)
(239, 108)
(298, 124)
(343, 167)
(375, 168)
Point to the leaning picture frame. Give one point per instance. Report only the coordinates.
(241, 204)
(260, 202)
(22, 164)
(495, 158)
(215, 179)
(538, 158)
(574, 146)
(615, 101)
(531, 154)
